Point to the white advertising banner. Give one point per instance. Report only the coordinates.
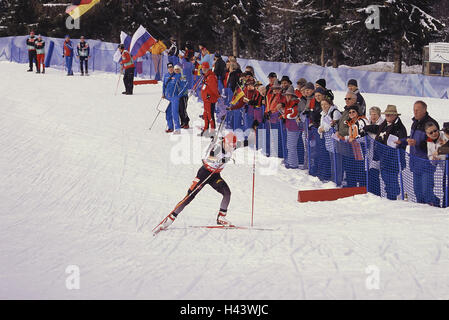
(439, 52)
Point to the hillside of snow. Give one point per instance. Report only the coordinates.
(383, 66)
(83, 182)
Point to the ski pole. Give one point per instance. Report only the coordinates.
(254, 180)
(159, 112)
(118, 81)
(195, 86)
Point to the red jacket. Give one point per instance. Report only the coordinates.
(209, 90)
(252, 95)
(68, 49)
(291, 109)
(127, 62)
(273, 101)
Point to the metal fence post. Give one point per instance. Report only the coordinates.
(447, 181)
(283, 139)
(306, 130)
(401, 179)
(366, 162)
(334, 142)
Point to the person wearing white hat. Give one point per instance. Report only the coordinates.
(183, 99)
(389, 169)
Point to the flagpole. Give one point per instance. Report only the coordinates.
(118, 82)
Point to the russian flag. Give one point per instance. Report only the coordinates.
(141, 42)
(80, 7)
(126, 40)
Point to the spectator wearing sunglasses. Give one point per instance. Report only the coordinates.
(343, 128)
(435, 139)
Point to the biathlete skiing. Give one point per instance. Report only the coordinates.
(217, 155)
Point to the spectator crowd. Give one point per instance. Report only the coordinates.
(357, 145)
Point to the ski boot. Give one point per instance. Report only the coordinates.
(221, 219)
(165, 224)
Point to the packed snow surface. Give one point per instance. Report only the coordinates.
(83, 182)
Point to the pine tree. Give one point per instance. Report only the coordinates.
(282, 34)
(18, 17)
(408, 25)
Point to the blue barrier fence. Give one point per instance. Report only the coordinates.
(14, 49)
(387, 172)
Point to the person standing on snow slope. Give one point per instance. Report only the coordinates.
(218, 154)
(210, 95)
(32, 55)
(68, 55)
(83, 53)
(40, 52)
(128, 66)
(173, 88)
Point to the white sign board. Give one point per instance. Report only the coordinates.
(439, 52)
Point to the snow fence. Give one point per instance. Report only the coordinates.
(387, 172)
(14, 49)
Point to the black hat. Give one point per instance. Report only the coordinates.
(272, 75)
(353, 82)
(321, 82)
(170, 65)
(286, 78)
(354, 107)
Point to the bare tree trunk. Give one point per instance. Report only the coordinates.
(235, 42)
(397, 53)
(322, 54)
(335, 57)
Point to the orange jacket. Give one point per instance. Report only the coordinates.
(273, 101)
(127, 62)
(355, 126)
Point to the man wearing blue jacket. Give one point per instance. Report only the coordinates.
(68, 55)
(423, 171)
(172, 89)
